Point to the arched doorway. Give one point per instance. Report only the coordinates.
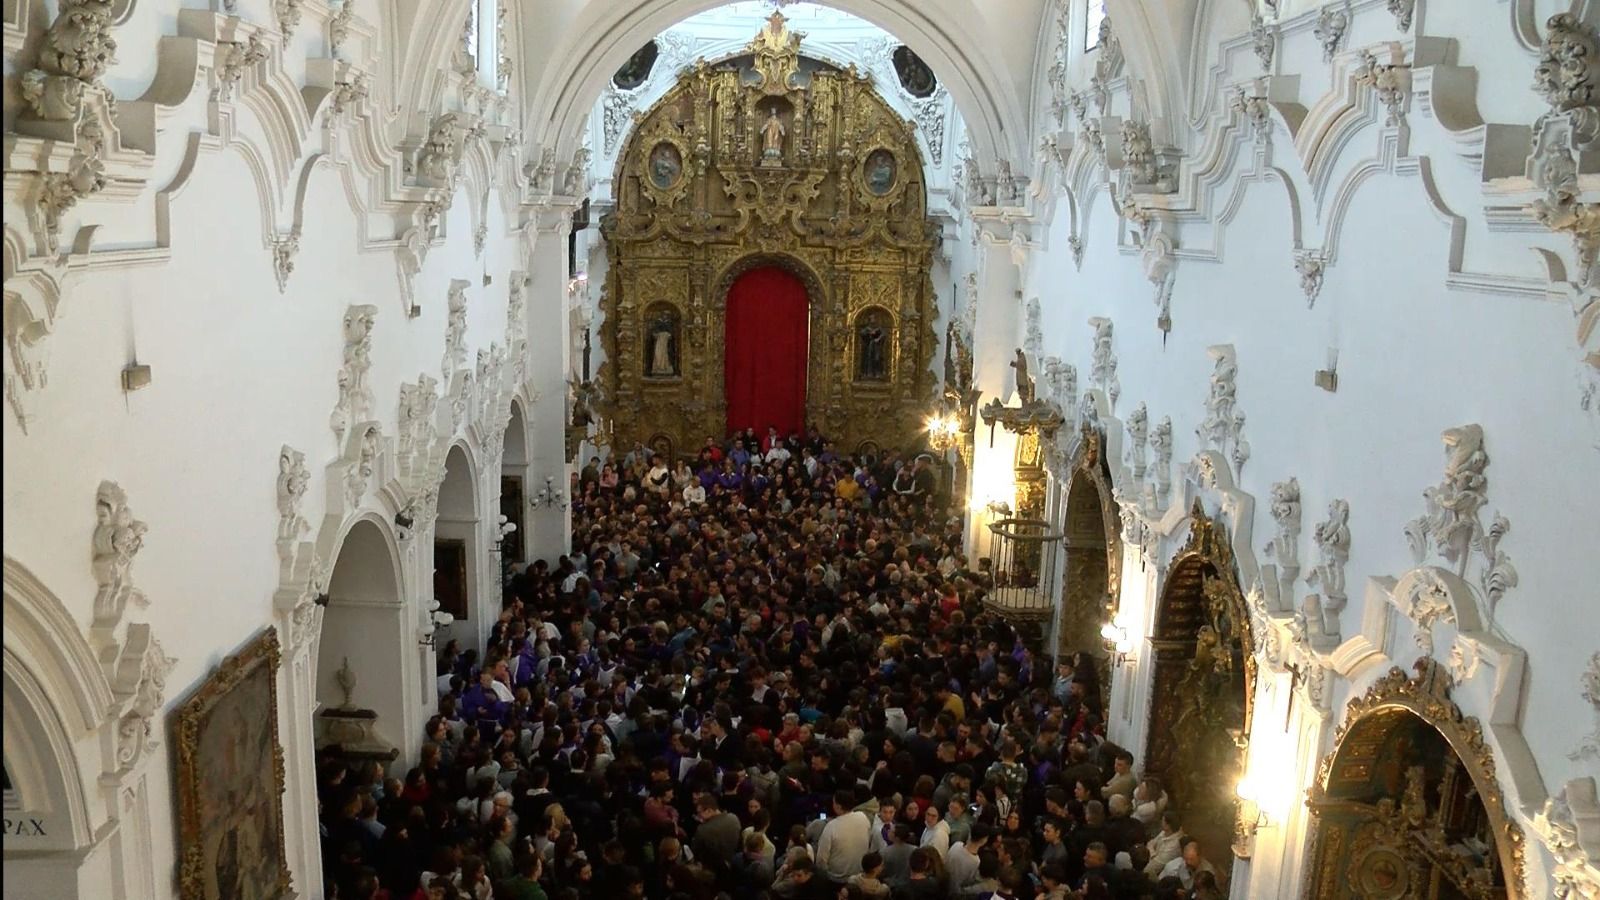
(361, 646)
(1407, 803)
(513, 491)
(765, 352)
(457, 547)
(1093, 546)
(1205, 673)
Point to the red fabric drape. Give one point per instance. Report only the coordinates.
(764, 368)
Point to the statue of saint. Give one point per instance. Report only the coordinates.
(772, 137)
(874, 339)
(1024, 381)
(661, 349)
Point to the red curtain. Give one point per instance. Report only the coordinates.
(764, 368)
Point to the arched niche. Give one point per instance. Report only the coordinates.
(364, 624)
(1407, 803)
(513, 488)
(1204, 686)
(457, 550)
(1092, 545)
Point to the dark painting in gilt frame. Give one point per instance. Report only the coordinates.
(230, 780)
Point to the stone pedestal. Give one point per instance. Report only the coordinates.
(352, 730)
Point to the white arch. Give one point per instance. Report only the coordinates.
(605, 35)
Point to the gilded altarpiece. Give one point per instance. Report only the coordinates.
(1205, 676)
(1407, 804)
(1093, 544)
(769, 160)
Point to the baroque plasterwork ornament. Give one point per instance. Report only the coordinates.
(355, 393)
(1138, 151)
(1056, 77)
(1033, 341)
(284, 250)
(616, 112)
(929, 114)
(1576, 875)
(1256, 112)
(1263, 40)
(1568, 78)
(1075, 244)
(137, 733)
(436, 160)
(1390, 83)
(78, 47)
(1452, 527)
(542, 175)
(577, 179)
(1061, 380)
(1332, 537)
(1222, 429)
(349, 94)
(1590, 748)
(1161, 443)
(480, 237)
(339, 26)
(293, 479)
(417, 428)
(1311, 266)
(1284, 547)
(1137, 429)
(1103, 370)
(59, 192)
(288, 13)
(455, 330)
(1403, 11)
(236, 58)
(117, 539)
(358, 473)
(1332, 22)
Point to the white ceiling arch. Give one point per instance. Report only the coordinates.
(952, 36)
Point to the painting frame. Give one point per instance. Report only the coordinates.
(252, 670)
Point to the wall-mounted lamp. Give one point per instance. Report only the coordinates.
(1118, 643)
(1252, 816)
(549, 496)
(437, 619)
(942, 432)
(504, 530)
(1000, 509)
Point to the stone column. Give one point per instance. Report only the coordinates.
(549, 365)
(995, 340)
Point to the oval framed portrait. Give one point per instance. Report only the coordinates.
(880, 171)
(665, 165)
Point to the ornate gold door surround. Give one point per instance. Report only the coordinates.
(1407, 804)
(1205, 675)
(768, 159)
(1093, 543)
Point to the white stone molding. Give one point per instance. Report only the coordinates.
(542, 175)
(293, 479)
(1222, 429)
(1332, 22)
(1033, 338)
(1161, 443)
(1568, 79)
(360, 468)
(1075, 244)
(1061, 381)
(1452, 527)
(1257, 112)
(30, 304)
(1310, 265)
(355, 393)
(288, 13)
(235, 58)
(1138, 433)
(1403, 11)
(1332, 537)
(1590, 748)
(1103, 373)
(339, 26)
(576, 183)
(455, 332)
(1138, 152)
(117, 539)
(1390, 82)
(78, 47)
(417, 433)
(441, 152)
(1284, 548)
(284, 250)
(349, 93)
(1263, 40)
(1569, 825)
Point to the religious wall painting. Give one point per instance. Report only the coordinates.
(230, 778)
(874, 344)
(666, 166)
(880, 172)
(1407, 803)
(914, 74)
(661, 445)
(663, 340)
(450, 576)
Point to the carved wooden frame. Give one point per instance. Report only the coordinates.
(261, 653)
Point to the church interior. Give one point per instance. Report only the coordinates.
(799, 449)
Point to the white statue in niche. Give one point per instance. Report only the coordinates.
(771, 139)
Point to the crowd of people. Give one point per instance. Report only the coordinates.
(766, 674)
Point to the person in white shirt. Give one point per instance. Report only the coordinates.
(694, 494)
(1149, 801)
(935, 831)
(961, 863)
(1166, 846)
(845, 839)
(1187, 866)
